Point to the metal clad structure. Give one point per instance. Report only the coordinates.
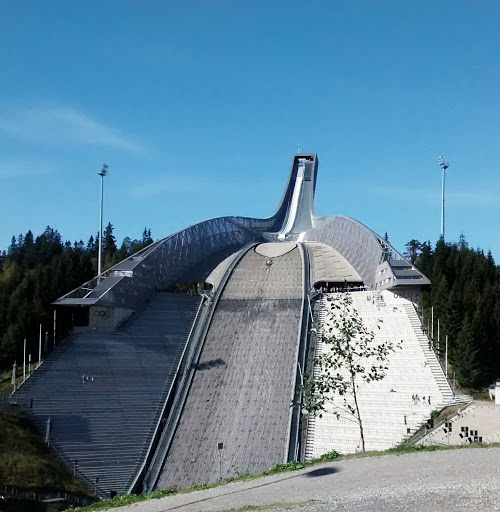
(190, 255)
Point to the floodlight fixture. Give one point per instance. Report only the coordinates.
(104, 170)
(442, 163)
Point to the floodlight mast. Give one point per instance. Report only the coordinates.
(104, 172)
(443, 166)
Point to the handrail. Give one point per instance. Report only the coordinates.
(441, 422)
(41, 495)
(432, 345)
(154, 440)
(295, 412)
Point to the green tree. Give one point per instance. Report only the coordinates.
(424, 260)
(352, 358)
(146, 237)
(466, 356)
(109, 246)
(413, 250)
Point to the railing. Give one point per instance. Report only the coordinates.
(432, 346)
(294, 430)
(167, 403)
(45, 496)
(441, 422)
(166, 437)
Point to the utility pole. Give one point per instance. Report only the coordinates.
(13, 381)
(446, 357)
(47, 432)
(438, 338)
(104, 172)
(54, 329)
(40, 346)
(432, 323)
(24, 360)
(443, 166)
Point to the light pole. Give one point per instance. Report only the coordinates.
(104, 172)
(443, 166)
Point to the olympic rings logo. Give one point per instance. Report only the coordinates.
(103, 314)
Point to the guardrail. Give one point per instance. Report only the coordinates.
(443, 421)
(168, 402)
(433, 347)
(45, 496)
(187, 375)
(296, 412)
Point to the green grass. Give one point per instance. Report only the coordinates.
(25, 461)
(478, 394)
(6, 387)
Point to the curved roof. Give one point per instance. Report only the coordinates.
(192, 253)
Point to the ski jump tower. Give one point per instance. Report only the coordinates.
(154, 388)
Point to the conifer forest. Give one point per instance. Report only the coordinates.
(36, 271)
(464, 295)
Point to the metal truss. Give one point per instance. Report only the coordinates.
(360, 246)
(188, 255)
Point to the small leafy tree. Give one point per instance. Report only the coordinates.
(352, 358)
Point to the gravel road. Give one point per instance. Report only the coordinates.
(458, 480)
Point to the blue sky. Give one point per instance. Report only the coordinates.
(198, 107)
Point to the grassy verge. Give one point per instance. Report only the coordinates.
(478, 394)
(6, 386)
(25, 461)
(119, 501)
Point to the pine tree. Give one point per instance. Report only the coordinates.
(91, 244)
(413, 250)
(109, 241)
(452, 319)
(462, 242)
(466, 356)
(12, 250)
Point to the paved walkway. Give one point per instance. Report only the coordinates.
(457, 480)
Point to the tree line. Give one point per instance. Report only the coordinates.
(36, 271)
(465, 295)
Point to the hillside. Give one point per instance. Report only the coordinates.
(25, 461)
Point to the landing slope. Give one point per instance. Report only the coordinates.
(242, 390)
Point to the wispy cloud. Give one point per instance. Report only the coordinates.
(475, 199)
(150, 187)
(16, 168)
(404, 193)
(60, 124)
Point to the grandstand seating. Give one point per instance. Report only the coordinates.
(104, 393)
(243, 387)
(391, 409)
